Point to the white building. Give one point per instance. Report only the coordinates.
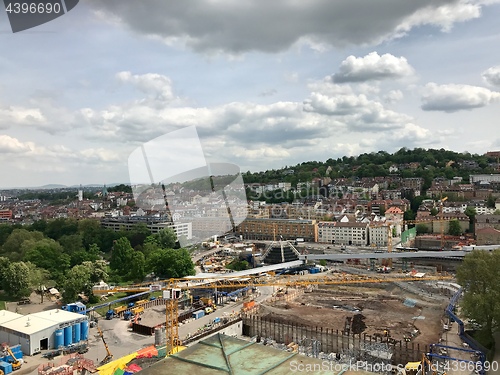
(49, 329)
(350, 233)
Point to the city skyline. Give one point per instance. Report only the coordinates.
(265, 85)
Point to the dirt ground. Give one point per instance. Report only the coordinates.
(370, 310)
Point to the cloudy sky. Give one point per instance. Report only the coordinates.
(266, 83)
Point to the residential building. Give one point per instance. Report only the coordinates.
(273, 229)
(478, 178)
(343, 233)
(488, 236)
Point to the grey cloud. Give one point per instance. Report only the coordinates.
(492, 75)
(452, 98)
(237, 27)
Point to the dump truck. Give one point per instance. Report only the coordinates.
(119, 309)
(141, 302)
(137, 310)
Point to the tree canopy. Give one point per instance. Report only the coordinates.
(478, 275)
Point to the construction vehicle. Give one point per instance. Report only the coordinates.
(119, 309)
(127, 315)
(110, 314)
(109, 356)
(16, 363)
(137, 310)
(282, 282)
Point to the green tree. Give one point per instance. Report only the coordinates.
(422, 228)
(16, 281)
(4, 264)
(171, 263)
(91, 232)
(454, 228)
(39, 278)
(59, 227)
(47, 254)
(471, 213)
(12, 248)
(478, 275)
(81, 278)
(137, 269)
(434, 211)
(166, 238)
(121, 256)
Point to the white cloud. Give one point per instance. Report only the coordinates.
(372, 67)
(9, 145)
(492, 75)
(453, 97)
(157, 85)
(393, 96)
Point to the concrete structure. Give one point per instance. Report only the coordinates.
(44, 330)
(154, 225)
(488, 236)
(477, 178)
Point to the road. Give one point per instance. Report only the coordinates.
(222, 311)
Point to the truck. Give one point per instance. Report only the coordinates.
(208, 310)
(110, 314)
(119, 309)
(137, 310)
(127, 315)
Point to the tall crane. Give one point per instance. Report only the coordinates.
(109, 356)
(172, 324)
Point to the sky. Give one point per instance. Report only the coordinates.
(265, 84)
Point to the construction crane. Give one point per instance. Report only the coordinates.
(109, 356)
(172, 325)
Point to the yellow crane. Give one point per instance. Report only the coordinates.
(109, 356)
(172, 324)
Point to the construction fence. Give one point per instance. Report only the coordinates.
(358, 346)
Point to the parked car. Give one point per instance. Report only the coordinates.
(24, 301)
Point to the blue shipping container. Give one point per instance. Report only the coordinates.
(6, 367)
(198, 314)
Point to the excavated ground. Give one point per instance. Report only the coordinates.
(370, 310)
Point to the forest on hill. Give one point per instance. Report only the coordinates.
(432, 163)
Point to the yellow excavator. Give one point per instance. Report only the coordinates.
(16, 363)
(109, 356)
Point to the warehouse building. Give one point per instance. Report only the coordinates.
(49, 329)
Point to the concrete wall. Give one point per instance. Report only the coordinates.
(332, 341)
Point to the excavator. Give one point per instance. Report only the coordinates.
(109, 356)
(16, 363)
